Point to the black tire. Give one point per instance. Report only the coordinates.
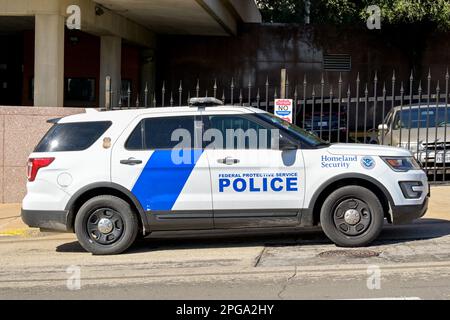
(122, 220)
(340, 222)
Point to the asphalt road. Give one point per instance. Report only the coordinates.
(408, 262)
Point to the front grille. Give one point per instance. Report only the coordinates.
(437, 146)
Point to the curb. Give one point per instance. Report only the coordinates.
(13, 232)
(23, 233)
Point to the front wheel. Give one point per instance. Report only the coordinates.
(352, 216)
(106, 225)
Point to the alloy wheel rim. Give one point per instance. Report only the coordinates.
(105, 226)
(352, 217)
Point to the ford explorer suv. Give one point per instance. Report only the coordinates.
(112, 176)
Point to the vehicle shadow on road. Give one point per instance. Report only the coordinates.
(420, 230)
(423, 229)
(70, 247)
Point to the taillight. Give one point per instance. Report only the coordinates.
(34, 164)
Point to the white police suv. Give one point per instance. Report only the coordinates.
(111, 176)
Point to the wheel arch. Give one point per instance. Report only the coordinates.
(104, 188)
(345, 180)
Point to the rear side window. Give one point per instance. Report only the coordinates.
(72, 136)
(156, 133)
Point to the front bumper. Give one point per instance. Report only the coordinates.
(408, 213)
(46, 220)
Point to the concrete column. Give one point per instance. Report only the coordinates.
(49, 60)
(110, 65)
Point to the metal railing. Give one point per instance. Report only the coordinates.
(412, 114)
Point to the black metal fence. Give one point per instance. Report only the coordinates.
(411, 114)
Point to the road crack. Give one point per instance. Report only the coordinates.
(283, 289)
(258, 258)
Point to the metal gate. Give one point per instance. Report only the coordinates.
(410, 114)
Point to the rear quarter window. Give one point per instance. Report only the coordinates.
(72, 136)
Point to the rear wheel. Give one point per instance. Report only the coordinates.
(352, 216)
(106, 225)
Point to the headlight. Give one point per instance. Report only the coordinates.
(402, 164)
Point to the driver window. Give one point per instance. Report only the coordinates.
(236, 132)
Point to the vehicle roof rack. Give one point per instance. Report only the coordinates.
(205, 102)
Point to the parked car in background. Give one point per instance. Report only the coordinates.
(330, 128)
(422, 129)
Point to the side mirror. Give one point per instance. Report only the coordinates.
(286, 145)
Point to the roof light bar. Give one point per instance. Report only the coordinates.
(205, 102)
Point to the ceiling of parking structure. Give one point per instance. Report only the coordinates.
(168, 16)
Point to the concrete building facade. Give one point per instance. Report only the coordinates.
(44, 63)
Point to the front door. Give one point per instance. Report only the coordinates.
(253, 184)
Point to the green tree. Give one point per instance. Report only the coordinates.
(282, 11)
(344, 12)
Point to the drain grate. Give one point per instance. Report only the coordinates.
(349, 254)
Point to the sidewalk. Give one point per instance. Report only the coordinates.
(11, 224)
(439, 207)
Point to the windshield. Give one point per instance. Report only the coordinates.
(422, 117)
(296, 131)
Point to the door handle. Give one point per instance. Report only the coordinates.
(228, 161)
(131, 162)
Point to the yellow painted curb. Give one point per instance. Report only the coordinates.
(23, 232)
(15, 232)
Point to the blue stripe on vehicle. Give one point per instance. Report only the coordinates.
(161, 182)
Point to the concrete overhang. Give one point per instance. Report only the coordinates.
(109, 23)
(194, 17)
(137, 21)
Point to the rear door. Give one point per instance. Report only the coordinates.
(170, 180)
